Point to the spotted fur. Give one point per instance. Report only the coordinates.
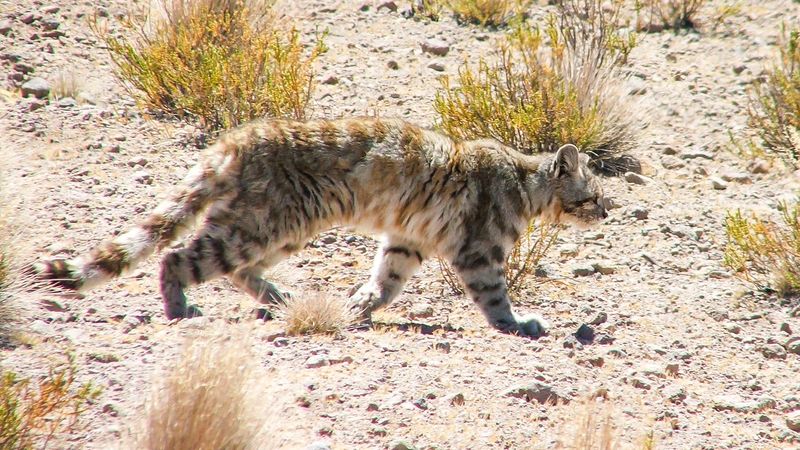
(264, 189)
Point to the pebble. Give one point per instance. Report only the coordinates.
(758, 166)
(731, 328)
(568, 250)
(5, 27)
(736, 177)
(638, 382)
(718, 183)
(439, 67)
(582, 269)
(604, 267)
(391, 6)
(319, 445)
(697, 154)
(675, 394)
(598, 318)
(421, 311)
(442, 346)
(793, 345)
(793, 421)
(671, 162)
(37, 87)
(143, 177)
(66, 102)
(540, 392)
(317, 361)
(392, 64)
(585, 333)
(328, 239)
(401, 445)
(739, 404)
(455, 399)
(773, 351)
(639, 212)
(436, 47)
(635, 178)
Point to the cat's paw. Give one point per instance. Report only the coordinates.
(365, 300)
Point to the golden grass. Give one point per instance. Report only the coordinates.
(223, 62)
(32, 412)
(488, 13)
(65, 84)
(765, 253)
(774, 107)
(315, 314)
(208, 400)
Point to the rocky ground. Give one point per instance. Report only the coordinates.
(681, 349)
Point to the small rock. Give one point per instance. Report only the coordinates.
(401, 445)
(5, 27)
(568, 250)
(738, 404)
(758, 166)
(421, 403)
(635, 178)
(697, 154)
(37, 87)
(638, 382)
(585, 333)
(29, 18)
(604, 267)
(104, 357)
(639, 212)
(111, 409)
(391, 6)
(793, 421)
(143, 177)
(675, 394)
(671, 162)
(442, 346)
(773, 351)
(540, 392)
(718, 183)
(598, 318)
(793, 345)
(333, 79)
(786, 328)
(49, 24)
(66, 102)
(439, 67)
(328, 239)
(137, 161)
(636, 86)
(317, 361)
(392, 64)
(436, 47)
(739, 68)
(421, 311)
(736, 177)
(319, 445)
(456, 399)
(23, 68)
(582, 270)
(571, 342)
(672, 369)
(732, 328)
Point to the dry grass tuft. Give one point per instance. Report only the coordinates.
(223, 62)
(32, 412)
(315, 314)
(594, 429)
(208, 400)
(774, 108)
(765, 253)
(65, 84)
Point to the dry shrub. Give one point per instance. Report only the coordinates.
(765, 253)
(658, 15)
(594, 429)
(549, 86)
(488, 13)
(524, 258)
(774, 107)
(315, 314)
(33, 411)
(208, 400)
(222, 61)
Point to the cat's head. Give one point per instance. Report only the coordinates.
(577, 193)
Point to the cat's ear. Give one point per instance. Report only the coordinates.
(566, 161)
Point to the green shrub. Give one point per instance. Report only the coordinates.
(222, 61)
(32, 412)
(763, 252)
(774, 108)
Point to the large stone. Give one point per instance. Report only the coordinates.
(793, 421)
(436, 47)
(37, 87)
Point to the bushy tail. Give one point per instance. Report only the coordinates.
(173, 217)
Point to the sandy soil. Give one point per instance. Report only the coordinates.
(688, 351)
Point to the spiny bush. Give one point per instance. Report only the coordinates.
(207, 401)
(774, 107)
(222, 61)
(315, 314)
(488, 13)
(765, 253)
(33, 411)
(548, 87)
